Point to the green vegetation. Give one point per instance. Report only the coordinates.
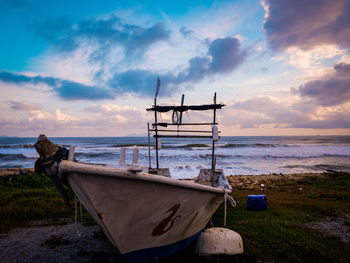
(29, 197)
(280, 233)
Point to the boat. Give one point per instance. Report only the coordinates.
(144, 213)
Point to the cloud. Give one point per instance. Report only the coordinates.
(226, 54)
(259, 111)
(71, 90)
(185, 32)
(105, 33)
(123, 114)
(322, 103)
(58, 116)
(307, 24)
(17, 105)
(38, 119)
(330, 90)
(101, 120)
(66, 89)
(143, 82)
(223, 56)
(307, 59)
(198, 69)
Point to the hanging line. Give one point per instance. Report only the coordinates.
(78, 229)
(232, 202)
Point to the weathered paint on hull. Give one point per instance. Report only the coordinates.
(142, 212)
(151, 254)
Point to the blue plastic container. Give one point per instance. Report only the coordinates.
(257, 202)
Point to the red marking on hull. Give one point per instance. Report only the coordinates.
(161, 229)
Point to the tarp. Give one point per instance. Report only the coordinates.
(186, 108)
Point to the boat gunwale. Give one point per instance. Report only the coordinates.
(67, 167)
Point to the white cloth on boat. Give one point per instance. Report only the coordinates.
(223, 183)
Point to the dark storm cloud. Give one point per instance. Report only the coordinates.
(66, 89)
(307, 24)
(332, 89)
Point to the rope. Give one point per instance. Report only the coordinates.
(232, 202)
(62, 153)
(78, 229)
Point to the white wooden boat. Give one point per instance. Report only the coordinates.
(145, 216)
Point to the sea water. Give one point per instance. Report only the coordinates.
(235, 154)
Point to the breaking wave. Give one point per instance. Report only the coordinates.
(16, 157)
(187, 146)
(130, 145)
(255, 145)
(95, 154)
(16, 146)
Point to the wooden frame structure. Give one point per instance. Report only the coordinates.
(177, 121)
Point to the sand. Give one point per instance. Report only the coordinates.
(41, 244)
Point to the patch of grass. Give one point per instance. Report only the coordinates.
(29, 197)
(279, 233)
(29, 180)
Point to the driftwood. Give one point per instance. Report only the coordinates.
(46, 149)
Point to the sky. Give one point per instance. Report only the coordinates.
(90, 68)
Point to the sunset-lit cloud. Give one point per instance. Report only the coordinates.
(307, 24)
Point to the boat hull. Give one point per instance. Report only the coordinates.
(144, 216)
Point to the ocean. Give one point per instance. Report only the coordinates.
(237, 155)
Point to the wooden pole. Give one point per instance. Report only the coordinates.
(156, 131)
(149, 146)
(183, 136)
(213, 147)
(163, 124)
(182, 103)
